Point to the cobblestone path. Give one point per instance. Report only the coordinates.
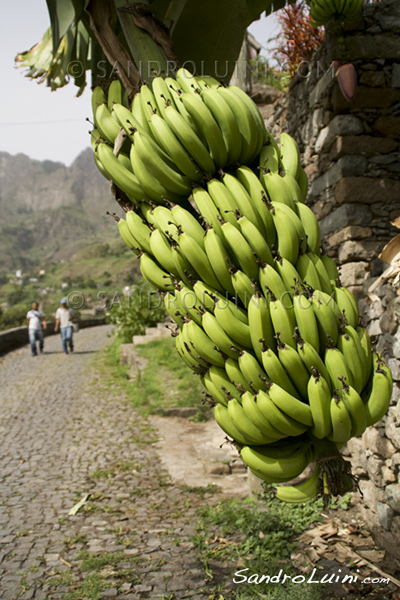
(67, 432)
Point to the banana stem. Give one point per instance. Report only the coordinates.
(336, 476)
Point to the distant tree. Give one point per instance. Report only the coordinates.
(298, 39)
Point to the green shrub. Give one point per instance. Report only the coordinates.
(13, 317)
(131, 315)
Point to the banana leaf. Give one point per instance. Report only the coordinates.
(208, 36)
(256, 7)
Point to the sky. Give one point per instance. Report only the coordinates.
(33, 120)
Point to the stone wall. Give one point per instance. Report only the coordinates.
(14, 338)
(350, 152)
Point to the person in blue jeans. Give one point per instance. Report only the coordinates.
(36, 325)
(64, 318)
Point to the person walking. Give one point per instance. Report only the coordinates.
(36, 325)
(64, 319)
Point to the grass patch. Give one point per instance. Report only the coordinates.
(211, 488)
(258, 535)
(165, 383)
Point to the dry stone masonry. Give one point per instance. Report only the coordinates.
(350, 152)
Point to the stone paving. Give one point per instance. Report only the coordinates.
(67, 432)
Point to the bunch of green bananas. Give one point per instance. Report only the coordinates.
(219, 222)
(323, 11)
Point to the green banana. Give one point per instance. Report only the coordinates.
(260, 324)
(355, 408)
(169, 142)
(245, 425)
(259, 460)
(298, 410)
(279, 419)
(377, 400)
(217, 255)
(217, 334)
(341, 421)
(243, 285)
(252, 370)
(270, 160)
(198, 259)
(319, 397)
(190, 141)
(290, 155)
(226, 120)
(294, 367)
(306, 320)
(236, 376)
(241, 249)
(225, 422)
(304, 491)
(154, 275)
(202, 345)
(238, 331)
(276, 372)
(311, 227)
(140, 230)
(256, 240)
(255, 190)
(311, 358)
(249, 404)
(337, 367)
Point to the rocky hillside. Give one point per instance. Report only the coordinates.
(49, 211)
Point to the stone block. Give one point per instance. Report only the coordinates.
(385, 515)
(389, 322)
(393, 433)
(357, 250)
(352, 232)
(365, 97)
(373, 328)
(353, 273)
(346, 166)
(373, 78)
(367, 190)
(256, 486)
(388, 475)
(374, 469)
(392, 495)
(394, 366)
(341, 125)
(371, 494)
(324, 83)
(365, 145)
(396, 345)
(372, 47)
(126, 354)
(344, 216)
(377, 443)
(396, 75)
(387, 125)
(371, 310)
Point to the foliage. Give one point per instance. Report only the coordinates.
(79, 31)
(258, 534)
(13, 317)
(298, 40)
(165, 383)
(263, 72)
(132, 314)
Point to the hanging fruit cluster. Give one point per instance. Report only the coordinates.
(219, 222)
(323, 11)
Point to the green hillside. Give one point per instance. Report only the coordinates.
(54, 220)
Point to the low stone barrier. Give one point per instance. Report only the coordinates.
(18, 336)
